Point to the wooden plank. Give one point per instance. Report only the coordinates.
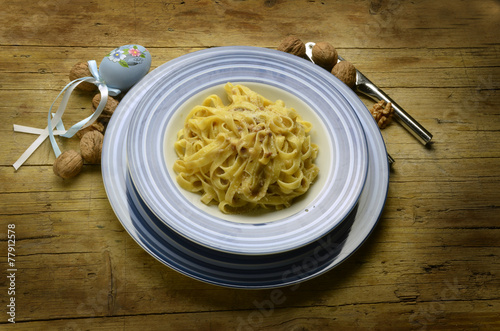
(170, 24)
(443, 313)
(48, 67)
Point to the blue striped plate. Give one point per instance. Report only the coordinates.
(176, 87)
(234, 270)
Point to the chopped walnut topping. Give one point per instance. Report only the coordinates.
(382, 113)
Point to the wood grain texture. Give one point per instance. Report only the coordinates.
(432, 260)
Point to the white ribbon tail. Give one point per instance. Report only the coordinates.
(28, 129)
(54, 120)
(27, 153)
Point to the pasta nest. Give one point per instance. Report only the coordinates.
(250, 153)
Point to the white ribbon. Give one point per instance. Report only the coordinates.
(54, 121)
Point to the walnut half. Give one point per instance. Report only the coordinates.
(382, 113)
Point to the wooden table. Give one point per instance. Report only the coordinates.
(432, 261)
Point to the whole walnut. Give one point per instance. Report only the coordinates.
(68, 164)
(346, 72)
(80, 70)
(110, 106)
(293, 45)
(324, 55)
(91, 146)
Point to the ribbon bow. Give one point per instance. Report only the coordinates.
(54, 121)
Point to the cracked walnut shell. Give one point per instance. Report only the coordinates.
(91, 146)
(68, 164)
(382, 113)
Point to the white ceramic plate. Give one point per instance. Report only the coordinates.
(186, 82)
(230, 270)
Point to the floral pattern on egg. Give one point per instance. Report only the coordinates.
(121, 55)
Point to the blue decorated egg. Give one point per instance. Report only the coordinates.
(125, 66)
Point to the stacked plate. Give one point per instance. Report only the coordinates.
(257, 250)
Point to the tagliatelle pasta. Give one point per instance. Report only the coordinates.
(250, 153)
